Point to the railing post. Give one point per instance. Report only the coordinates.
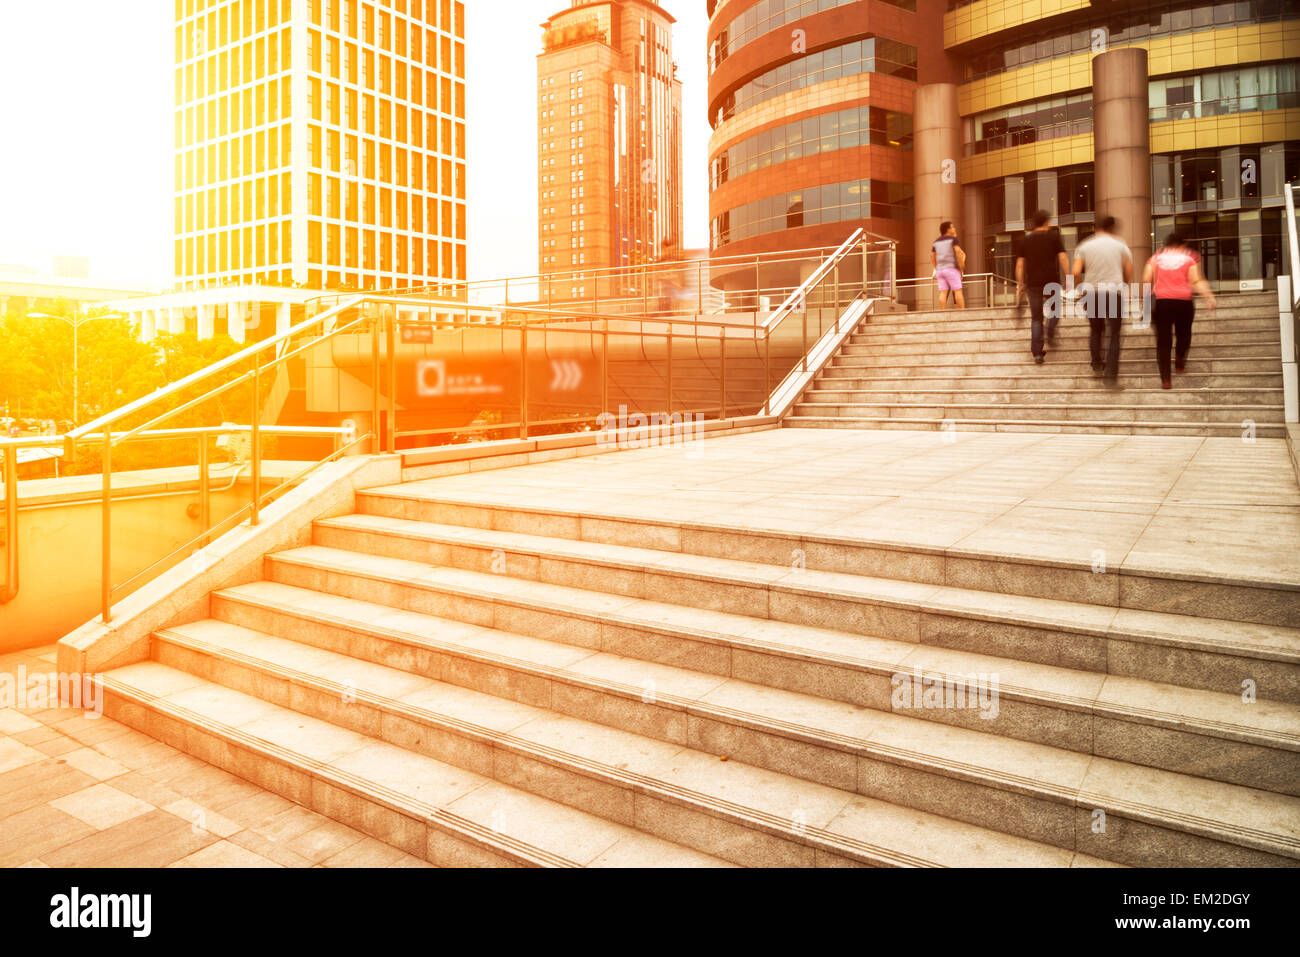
(722, 348)
(700, 288)
(604, 364)
(11, 522)
(523, 379)
(106, 533)
(670, 368)
(392, 379)
(767, 372)
(805, 335)
(205, 504)
(375, 414)
(256, 420)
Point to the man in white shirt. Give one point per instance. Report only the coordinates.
(1107, 263)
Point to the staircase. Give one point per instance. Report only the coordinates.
(972, 370)
(513, 685)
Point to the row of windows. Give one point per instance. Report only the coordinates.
(237, 204)
(387, 119)
(241, 111)
(327, 196)
(869, 55)
(845, 129)
(1126, 25)
(269, 247)
(233, 158)
(225, 69)
(1235, 90)
(1180, 182)
(225, 23)
(1239, 90)
(1227, 177)
(814, 205)
(342, 60)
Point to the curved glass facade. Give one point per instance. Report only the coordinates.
(868, 55)
(845, 129)
(764, 17)
(812, 206)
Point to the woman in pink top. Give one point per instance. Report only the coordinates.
(1174, 272)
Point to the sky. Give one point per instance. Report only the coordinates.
(86, 133)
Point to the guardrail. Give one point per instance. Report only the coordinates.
(1288, 288)
(653, 361)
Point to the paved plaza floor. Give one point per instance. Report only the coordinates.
(1208, 508)
(83, 791)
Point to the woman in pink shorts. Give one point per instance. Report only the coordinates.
(1174, 272)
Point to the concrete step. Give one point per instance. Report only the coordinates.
(1220, 596)
(954, 325)
(588, 756)
(1201, 653)
(1072, 350)
(1076, 363)
(1081, 410)
(1264, 431)
(1249, 330)
(829, 391)
(1043, 377)
(435, 810)
(1125, 719)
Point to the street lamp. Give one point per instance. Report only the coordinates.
(76, 352)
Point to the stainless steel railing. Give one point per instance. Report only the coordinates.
(675, 361)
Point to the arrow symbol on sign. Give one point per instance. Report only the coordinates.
(566, 375)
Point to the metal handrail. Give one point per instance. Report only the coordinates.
(383, 312)
(1291, 376)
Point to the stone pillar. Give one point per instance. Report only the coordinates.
(236, 323)
(936, 152)
(971, 228)
(206, 322)
(177, 320)
(147, 324)
(1122, 146)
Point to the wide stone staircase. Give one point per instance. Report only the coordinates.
(492, 685)
(972, 370)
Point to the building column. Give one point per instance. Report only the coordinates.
(936, 153)
(1122, 146)
(146, 325)
(236, 321)
(206, 322)
(972, 228)
(176, 320)
(283, 318)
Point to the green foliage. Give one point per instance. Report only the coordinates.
(113, 368)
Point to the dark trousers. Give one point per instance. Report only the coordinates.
(1105, 309)
(1172, 316)
(1036, 303)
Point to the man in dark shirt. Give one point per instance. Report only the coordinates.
(1042, 262)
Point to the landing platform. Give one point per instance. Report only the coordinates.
(1212, 509)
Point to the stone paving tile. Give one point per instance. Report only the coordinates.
(87, 791)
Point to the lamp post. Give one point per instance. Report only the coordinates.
(76, 324)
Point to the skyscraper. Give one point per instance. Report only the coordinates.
(319, 143)
(609, 142)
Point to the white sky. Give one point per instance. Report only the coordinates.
(86, 135)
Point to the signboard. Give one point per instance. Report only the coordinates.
(417, 334)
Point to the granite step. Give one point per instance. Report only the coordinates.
(1216, 736)
(431, 809)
